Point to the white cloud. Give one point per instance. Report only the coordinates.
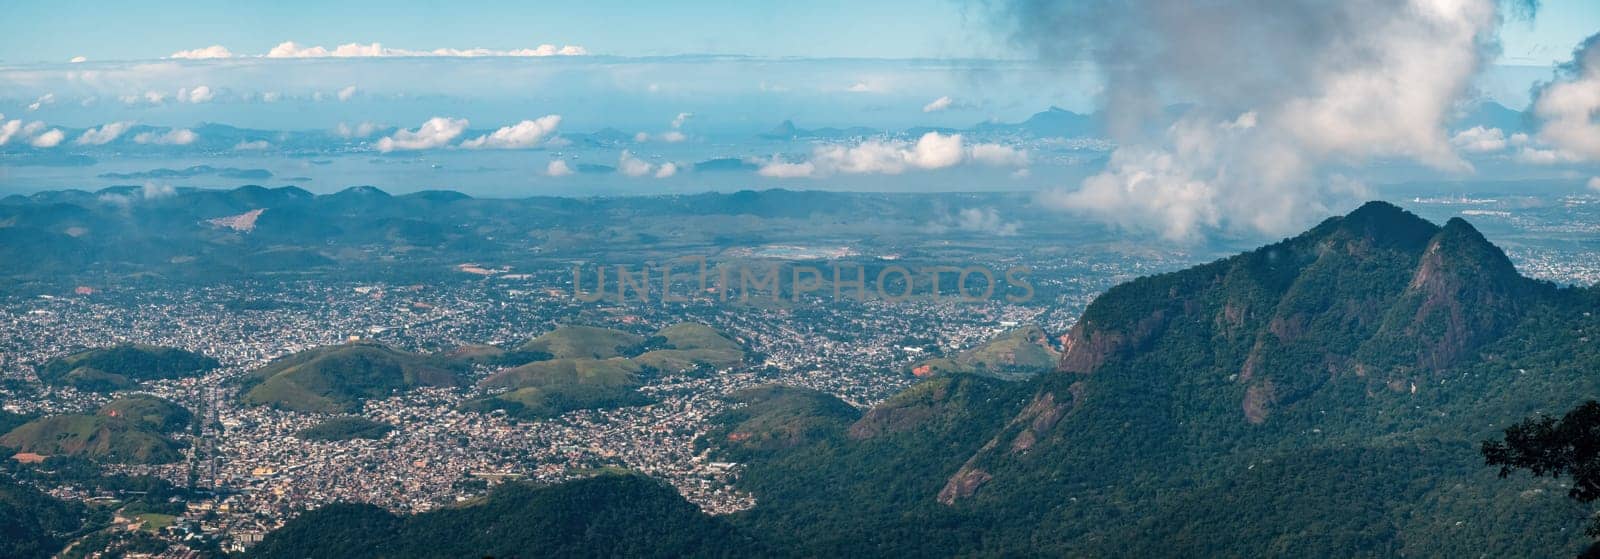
(1479, 140)
(1567, 107)
(9, 129)
(632, 166)
(149, 97)
(1594, 184)
(199, 94)
(864, 87)
(346, 93)
(1376, 80)
(525, 134)
(43, 100)
(437, 131)
(985, 220)
(678, 121)
(780, 169)
(361, 130)
(290, 49)
(78, 60)
(105, 134)
(251, 146)
(666, 170)
(673, 136)
(641, 137)
(1540, 156)
(48, 139)
(892, 157)
(998, 155)
(152, 191)
(271, 97)
(557, 168)
(175, 137)
(203, 53)
(937, 105)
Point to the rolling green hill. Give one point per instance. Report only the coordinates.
(582, 342)
(122, 367)
(345, 428)
(611, 515)
(1015, 354)
(340, 378)
(687, 345)
(130, 430)
(550, 387)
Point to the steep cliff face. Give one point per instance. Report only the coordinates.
(1464, 293)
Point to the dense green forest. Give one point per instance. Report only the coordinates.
(32, 524)
(122, 367)
(610, 515)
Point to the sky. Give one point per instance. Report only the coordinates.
(1216, 116)
(35, 31)
(58, 30)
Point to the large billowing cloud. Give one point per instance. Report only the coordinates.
(525, 134)
(436, 132)
(892, 157)
(1278, 89)
(1567, 106)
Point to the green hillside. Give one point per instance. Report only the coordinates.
(149, 412)
(130, 430)
(611, 515)
(552, 386)
(1015, 354)
(340, 378)
(122, 367)
(687, 345)
(580, 342)
(777, 418)
(1322, 396)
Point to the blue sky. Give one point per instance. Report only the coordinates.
(57, 30)
(91, 92)
(35, 31)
